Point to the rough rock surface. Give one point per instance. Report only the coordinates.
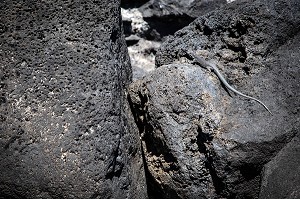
(147, 23)
(171, 112)
(281, 176)
(188, 8)
(65, 131)
(195, 134)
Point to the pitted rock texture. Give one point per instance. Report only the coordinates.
(189, 8)
(255, 44)
(148, 23)
(65, 129)
(175, 115)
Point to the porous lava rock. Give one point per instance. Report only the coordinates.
(65, 127)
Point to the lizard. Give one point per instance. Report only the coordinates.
(212, 66)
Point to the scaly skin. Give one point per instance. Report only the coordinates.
(214, 68)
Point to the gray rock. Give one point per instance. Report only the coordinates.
(175, 108)
(148, 22)
(65, 127)
(192, 8)
(217, 148)
(281, 176)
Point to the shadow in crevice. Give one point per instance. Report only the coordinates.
(167, 25)
(132, 3)
(203, 142)
(154, 146)
(154, 189)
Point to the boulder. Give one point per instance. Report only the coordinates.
(281, 176)
(172, 105)
(65, 127)
(199, 139)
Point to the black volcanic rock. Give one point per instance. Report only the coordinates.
(193, 9)
(65, 127)
(171, 106)
(201, 141)
(281, 176)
